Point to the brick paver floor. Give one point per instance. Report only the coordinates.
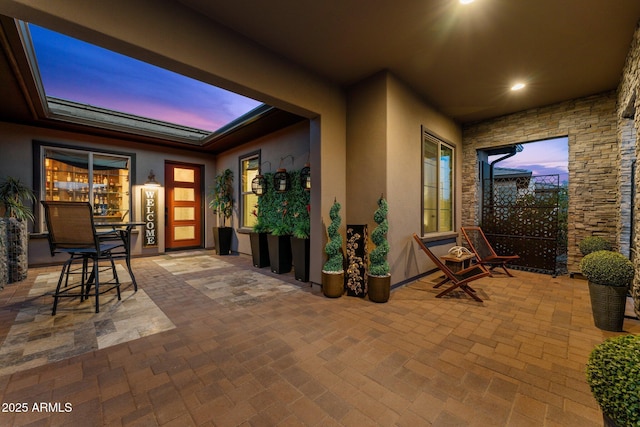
(240, 346)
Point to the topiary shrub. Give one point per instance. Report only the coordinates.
(607, 268)
(378, 257)
(613, 373)
(333, 248)
(593, 244)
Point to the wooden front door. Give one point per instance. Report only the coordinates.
(183, 224)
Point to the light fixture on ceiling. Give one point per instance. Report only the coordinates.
(466, 1)
(518, 86)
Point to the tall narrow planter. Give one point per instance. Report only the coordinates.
(259, 249)
(15, 242)
(222, 237)
(300, 254)
(608, 305)
(280, 253)
(332, 284)
(4, 254)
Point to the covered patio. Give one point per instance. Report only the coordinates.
(211, 340)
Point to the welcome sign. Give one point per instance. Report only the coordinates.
(150, 217)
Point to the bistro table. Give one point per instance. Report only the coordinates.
(123, 230)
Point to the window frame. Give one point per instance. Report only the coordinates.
(39, 174)
(428, 136)
(257, 154)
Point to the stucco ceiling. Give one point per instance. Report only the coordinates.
(461, 59)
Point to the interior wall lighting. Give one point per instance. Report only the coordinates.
(305, 177)
(518, 86)
(466, 1)
(151, 180)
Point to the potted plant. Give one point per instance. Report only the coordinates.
(379, 279)
(592, 244)
(279, 241)
(14, 239)
(333, 269)
(222, 205)
(258, 240)
(301, 227)
(609, 274)
(613, 373)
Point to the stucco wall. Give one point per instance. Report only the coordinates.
(291, 141)
(384, 157)
(17, 161)
(591, 127)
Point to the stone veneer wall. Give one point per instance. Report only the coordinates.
(629, 121)
(590, 124)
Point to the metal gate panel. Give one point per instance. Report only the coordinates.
(520, 216)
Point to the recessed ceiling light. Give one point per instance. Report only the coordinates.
(518, 86)
(466, 1)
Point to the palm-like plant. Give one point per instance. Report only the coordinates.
(13, 196)
(222, 196)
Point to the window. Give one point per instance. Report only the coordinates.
(70, 175)
(438, 185)
(249, 166)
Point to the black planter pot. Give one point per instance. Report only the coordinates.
(222, 239)
(300, 252)
(608, 305)
(259, 249)
(279, 253)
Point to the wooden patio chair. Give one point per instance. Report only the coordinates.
(459, 279)
(485, 255)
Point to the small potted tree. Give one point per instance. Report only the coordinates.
(613, 373)
(609, 274)
(379, 279)
(14, 239)
(222, 205)
(333, 269)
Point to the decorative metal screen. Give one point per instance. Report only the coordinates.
(520, 217)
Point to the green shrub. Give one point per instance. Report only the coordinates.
(613, 373)
(593, 244)
(378, 257)
(333, 248)
(607, 268)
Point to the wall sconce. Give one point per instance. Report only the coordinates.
(281, 180)
(259, 183)
(305, 177)
(151, 180)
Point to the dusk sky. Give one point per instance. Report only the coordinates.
(77, 71)
(547, 157)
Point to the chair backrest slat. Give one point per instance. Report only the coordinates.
(478, 242)
(70, 225)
